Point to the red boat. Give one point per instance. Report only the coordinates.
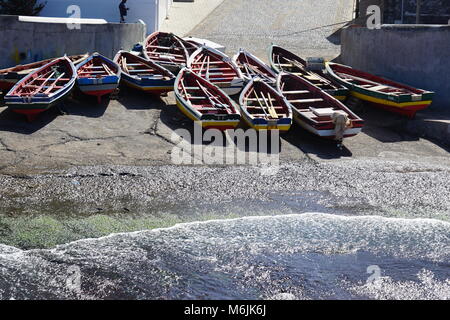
(10, 76)
(316, 111)
(202, 101)
(218, 68)
(251, 66)
(43, 88)
(167, 50)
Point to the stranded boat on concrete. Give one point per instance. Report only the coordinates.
(98, 76)
(167, 50)
(382, 93)
(43, 88)
(10, 76)
(200, 100)
(251, 66)
(143, 74)
(317, 111)
(262, 107)
(284, 60)
(216, 67)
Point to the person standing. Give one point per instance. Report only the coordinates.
(123, 10)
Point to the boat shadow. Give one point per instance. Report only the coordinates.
(384, 126)
(17, 123)
(312, 144)
(133, 99)
(175, 120)
(85, 106)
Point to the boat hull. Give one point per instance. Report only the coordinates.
(282, 125)
(220, 124)
(403, 104)
(99, 90)
(408, 109)
(154, 86)
(323, 132)
(33, 108)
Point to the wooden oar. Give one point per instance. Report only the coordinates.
(209, 95)
(107, 69)
(271, 110)
(271, 105)
(260, 104)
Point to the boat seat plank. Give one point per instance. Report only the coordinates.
(306, 100)
(92, 72)
(141, 70)
(197, 98)
(379, 88)
(161, 47)
(296, 92)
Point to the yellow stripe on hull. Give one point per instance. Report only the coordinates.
(283, 127)
(130, 84)
(230, 123)
(340, 98)
(387, 102)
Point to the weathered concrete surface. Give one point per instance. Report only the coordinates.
(306, 27)
(23, 42)
(137, 130)
(415, 55)
(184, 16)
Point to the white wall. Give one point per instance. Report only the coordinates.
(152, 12)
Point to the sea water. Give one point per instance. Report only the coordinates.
(293, 256)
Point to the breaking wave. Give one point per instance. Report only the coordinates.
(297, 256)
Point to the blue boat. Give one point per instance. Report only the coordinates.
(143, 74)
(98, 76)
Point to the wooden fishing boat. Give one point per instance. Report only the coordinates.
(10, 76)
(380, 92)
(167, 50)
(144, 74)
(98, 76)
(262, 107)
(217, 68)
(43, 88)
(200, 100)
(251, 66)
(284, 60)
(317, 111)
(190, 45)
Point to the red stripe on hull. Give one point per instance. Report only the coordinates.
(408, 111)
(98, 93)
(31, 114)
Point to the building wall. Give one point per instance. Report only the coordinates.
(152, 12)
(412, 54)
(23, 42)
